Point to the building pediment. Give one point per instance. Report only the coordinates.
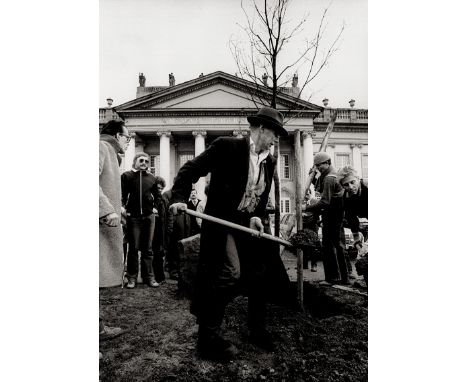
(218, 96)
(215, 91)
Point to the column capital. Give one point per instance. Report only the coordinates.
(308, 133)
(352, 145)
(199, 132)
(359, 146)
(166, 133)
(240, 133)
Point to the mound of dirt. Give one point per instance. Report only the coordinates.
(326, 342)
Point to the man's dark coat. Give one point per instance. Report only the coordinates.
(227, 159)
(356, 206)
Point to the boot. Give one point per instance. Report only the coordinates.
(212, 346)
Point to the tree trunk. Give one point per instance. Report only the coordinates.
(298, 162)
(276, 155)
(277, 191)
(275, 81)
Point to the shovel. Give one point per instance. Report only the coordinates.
(238, 227)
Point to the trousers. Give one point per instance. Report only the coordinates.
(210, 316)
(140, 231)
(333, 240)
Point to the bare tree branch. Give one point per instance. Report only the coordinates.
(268, 32)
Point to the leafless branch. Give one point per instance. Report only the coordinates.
(268, 32)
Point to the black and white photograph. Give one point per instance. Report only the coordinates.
(185, 191)
(233, 200)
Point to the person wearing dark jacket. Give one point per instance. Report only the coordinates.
(139, 198)
(192, 204)
(241, 176)
(355, 198)
(309, 221)
(160, 232)
(331, 207)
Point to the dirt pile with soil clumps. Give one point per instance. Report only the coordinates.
(326, 342)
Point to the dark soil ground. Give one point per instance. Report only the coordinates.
(326, 342)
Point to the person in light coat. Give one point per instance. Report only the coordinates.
(113, 141)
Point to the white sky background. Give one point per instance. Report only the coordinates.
(185, 37)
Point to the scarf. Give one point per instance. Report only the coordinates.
(254, 189)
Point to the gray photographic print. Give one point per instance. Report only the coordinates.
(233, 213)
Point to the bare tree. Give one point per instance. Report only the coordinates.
(268, 32)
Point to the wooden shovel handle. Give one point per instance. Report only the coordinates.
(238, 227)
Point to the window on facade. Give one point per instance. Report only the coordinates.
(285, 169)
(342, 160)
(154, 165)
(364, 159)
(183, 158)
(285, 205)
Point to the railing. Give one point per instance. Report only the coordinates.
(343, 114)
(362, 114)
(106, 115)
(152, 89)
(348, 115)
(145, 90)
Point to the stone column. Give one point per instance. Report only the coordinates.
(199, 148)
(129, 154)
(357, 163)
(308, 150)
(308, 153)
(164, 156)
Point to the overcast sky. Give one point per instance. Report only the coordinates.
(186, 37)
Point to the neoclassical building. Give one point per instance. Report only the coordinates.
(177, 122)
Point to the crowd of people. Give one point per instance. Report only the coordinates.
(151, 229)
(136, 227)
(230, 262)
(341, 201)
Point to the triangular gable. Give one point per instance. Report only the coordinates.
(217, 96)
(217, 90)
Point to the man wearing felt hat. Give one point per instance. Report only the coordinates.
(231, 261)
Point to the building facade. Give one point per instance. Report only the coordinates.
(177, 122)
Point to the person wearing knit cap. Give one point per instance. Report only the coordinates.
(330, 206)
(140, 194)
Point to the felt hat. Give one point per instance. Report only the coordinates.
(269, 118)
